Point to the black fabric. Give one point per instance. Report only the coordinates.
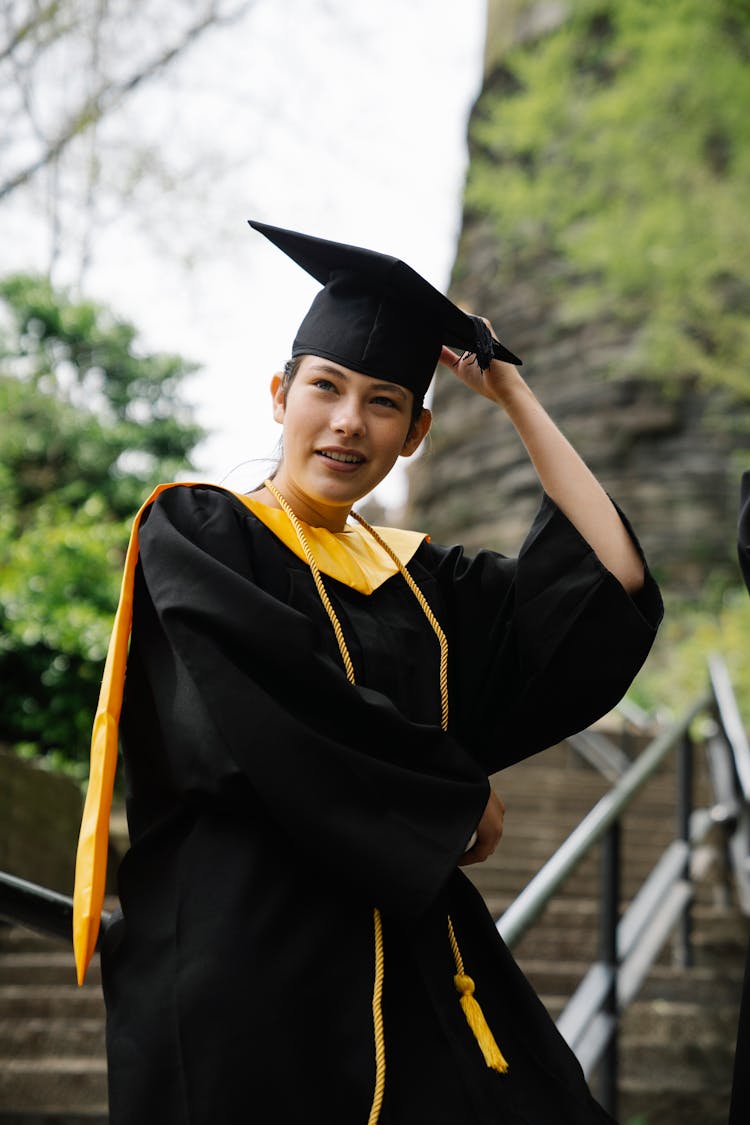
(271, 805)
(376, 315)
(483, 343)
(739, 1113)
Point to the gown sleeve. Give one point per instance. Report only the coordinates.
(545, 644)
(227, 685)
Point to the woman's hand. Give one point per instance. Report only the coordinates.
(488, 833)
(492, 383)
(563, 475)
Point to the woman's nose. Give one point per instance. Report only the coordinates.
(348, 418)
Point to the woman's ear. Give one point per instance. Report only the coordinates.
(278, 397)
(420, 427)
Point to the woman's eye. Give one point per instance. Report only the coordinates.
(383, 400)
(324, 384)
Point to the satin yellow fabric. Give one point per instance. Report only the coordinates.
(350, 556)
(346, 556)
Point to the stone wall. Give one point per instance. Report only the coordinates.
(40, 814)
(668, 456)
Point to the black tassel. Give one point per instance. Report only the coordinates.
(484, 343)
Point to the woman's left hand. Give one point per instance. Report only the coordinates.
(562, 474)
(492, 383)
(488, 833)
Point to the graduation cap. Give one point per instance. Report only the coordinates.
(376, 315)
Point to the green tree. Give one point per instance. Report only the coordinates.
(619, 143)
(610, 154)
(90, 424)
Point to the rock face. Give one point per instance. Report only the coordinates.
(663, 456)
(664, 450)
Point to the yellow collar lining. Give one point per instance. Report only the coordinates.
(350, 556)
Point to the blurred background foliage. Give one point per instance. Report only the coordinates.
(89, 424)
(616, 145)
(620, 143)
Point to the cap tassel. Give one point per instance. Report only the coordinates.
(475, 1018)
(483, 343)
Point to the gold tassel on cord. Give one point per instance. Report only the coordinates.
(475, 1018)
(464, 984)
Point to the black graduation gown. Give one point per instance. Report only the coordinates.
(272, 804)
(739, 1112)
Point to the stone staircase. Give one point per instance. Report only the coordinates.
(677, 1040)
(676, 1046)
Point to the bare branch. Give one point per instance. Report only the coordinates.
(33, 24)
(111, 94)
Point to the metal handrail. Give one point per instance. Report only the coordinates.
(38, 908)
(731, 722)
(630, 945)
(532, 900)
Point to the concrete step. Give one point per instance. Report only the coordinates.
(665, 982)
(43, 967)
(76, 1084)
(39, 1002)
(54, 1118)
(672, 1103)
(575, 936)
(29, 1038)
(660, 1022)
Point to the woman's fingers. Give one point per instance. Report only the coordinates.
(488, 833)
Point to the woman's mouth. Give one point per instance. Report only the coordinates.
(340, 457)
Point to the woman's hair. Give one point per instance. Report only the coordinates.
(292, 366)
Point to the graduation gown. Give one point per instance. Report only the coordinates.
(739, 1112)
(272, 804)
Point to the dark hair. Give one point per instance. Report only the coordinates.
(292, 366)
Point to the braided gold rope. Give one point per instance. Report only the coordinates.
(442, 639)
(317, 577)
(454, 946)
(377, 1009)
(377, 990)
(377, 1020)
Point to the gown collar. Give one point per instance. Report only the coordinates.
(350, 556)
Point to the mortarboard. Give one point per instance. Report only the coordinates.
(376, 315)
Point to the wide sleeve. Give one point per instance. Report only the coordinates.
(245, 702)
(543, 644)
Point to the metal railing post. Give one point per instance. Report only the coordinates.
(683, 948)
(609, 918)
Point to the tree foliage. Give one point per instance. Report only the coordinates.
(619, 144)
(611, 154)
(90, 424)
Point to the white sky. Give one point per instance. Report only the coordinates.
(342, 118)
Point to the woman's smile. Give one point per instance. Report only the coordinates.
(342, 460)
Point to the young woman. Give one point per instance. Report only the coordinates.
(312, 710)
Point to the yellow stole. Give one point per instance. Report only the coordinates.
(349, 556)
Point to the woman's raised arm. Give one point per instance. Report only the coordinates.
(563, 474)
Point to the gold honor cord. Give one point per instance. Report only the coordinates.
(93, 844)
(464, 984)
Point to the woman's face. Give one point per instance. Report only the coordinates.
(342, 434)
